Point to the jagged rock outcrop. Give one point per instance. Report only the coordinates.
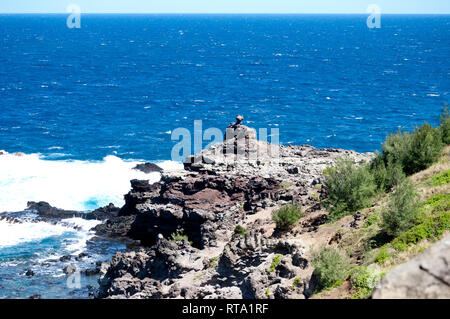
(48, 213)
(220, 185)
(148, 168)
(214, 193)
(250, 266)
(426, 276)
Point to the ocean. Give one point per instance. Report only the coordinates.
(86, 105)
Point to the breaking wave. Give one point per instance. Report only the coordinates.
(71, 185)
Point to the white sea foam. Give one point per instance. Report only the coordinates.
(77, 229)
(71, 185)
(83, 234)
(15, 234)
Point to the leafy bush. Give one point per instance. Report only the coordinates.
(362, 281)
(401, 211)
(396, 148)
(330, 266)
(426, 147)
(383, 255)
(297, 282)
(445, 126)
(350, 187)
(412, 152)
(240, 230)
(179, 236)
(287, 216)
(386, 175)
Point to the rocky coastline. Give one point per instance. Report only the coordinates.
(185, 224)
(206, 231)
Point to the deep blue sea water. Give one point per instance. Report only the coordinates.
(121, 83)
(87, 104)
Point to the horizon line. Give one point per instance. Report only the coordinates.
(241, 13)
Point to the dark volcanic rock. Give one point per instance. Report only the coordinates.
(29, 273)
(70, 269)
(118, 226)
(103, 213)
(92, 272)
(207, 199)
(81, 256)
(45, 211)
(174, 270)
(65, 258)
(148, 168)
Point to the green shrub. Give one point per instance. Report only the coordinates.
(213, 262)
(362, 281)
(439, 202)
(287, 216)
(371, 220)
(441, 179)
(330, 266)
(412, 152)
(350, 187)
(426, 147)
(297, 282)
(401, 211)
(240, 230)
(383, 255)
(445, 126)
(386, 175)
(275, 262)
(431, 228)
(396, 148)
(179, 236)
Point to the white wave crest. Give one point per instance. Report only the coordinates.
(71, 185)
(79, 230)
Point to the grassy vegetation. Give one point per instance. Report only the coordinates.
(240, 230)
(297, 282)
(213, 262)
(275, 262)
(383, 255)
(441, 179)
(432, 227)
(408, 184)
(438, 202)
(371, 220)
(287, 216)
(363, 281)
(330, 266)
(352, 187)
